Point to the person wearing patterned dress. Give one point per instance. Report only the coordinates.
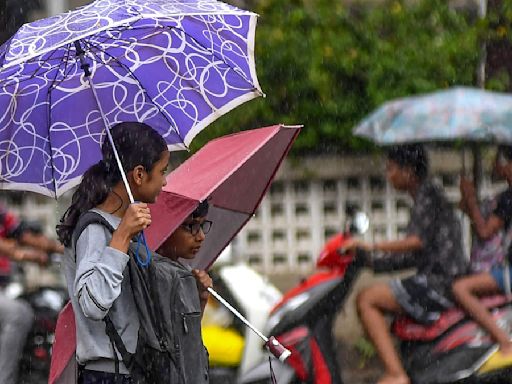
(467, 289)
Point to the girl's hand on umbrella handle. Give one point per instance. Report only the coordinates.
(136, 218)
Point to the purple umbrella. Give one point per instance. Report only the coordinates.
(175, 65)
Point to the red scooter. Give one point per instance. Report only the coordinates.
(451, 350)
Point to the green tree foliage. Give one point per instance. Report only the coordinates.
(326, 64)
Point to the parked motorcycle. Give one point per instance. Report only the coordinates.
(234, 348)
(451, 350)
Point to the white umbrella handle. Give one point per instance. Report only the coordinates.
(272, 344)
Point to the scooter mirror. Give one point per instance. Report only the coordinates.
(360, 223)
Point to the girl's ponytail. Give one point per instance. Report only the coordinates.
(92, 191)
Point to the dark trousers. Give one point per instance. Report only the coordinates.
(95, 377)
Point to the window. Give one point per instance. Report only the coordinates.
(303, 258)
(302, 234)
(401, 230)
(401, 204)
(330, 208)
(254, 259)
(329, 232)
(278, 235)
(355, 205)
(301, 209)
(330, 186)
(353, 183)
(301, 187)
(253, 237)
(277, 188)
(449, 180)
(276, 209)
(377, 184)
(279, 258)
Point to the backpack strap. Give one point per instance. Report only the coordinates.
(86, 219)
(116, 341)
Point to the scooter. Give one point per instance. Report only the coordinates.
(452, 350)
(253, 296)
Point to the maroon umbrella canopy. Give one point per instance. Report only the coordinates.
(233, 173)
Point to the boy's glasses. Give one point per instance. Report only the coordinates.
(194, 228)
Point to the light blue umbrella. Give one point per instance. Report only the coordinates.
(459, 113)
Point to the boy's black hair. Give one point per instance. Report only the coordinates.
(506, 151)
(202, 209)
(410, 155)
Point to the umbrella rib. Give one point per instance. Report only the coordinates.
(49, 118)
(40, 67)
(214, 55)
(138, 82)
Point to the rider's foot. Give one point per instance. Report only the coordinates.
(506, 350)
(394, 379)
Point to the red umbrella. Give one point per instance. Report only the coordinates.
(63, 369)
(233, 173)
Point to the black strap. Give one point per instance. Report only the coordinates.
(158, 316)
(88, 218)
(116, 341)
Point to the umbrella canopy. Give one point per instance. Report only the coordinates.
(175, 65)
(63, 368)
(469, 114)
(233, 173)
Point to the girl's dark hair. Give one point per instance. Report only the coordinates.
(413, 156)
(136, 144)
(506, 151)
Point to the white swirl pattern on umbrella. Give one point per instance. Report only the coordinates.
(174, 65)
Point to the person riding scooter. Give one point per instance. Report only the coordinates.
(432, 244)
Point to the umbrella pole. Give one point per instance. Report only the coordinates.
(85, 66)
(274, 346)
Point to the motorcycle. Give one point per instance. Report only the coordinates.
(452, 350)
(233, 348)
(46, 303)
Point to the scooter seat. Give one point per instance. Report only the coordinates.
(407, 329)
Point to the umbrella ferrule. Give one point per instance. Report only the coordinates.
(81, 56)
